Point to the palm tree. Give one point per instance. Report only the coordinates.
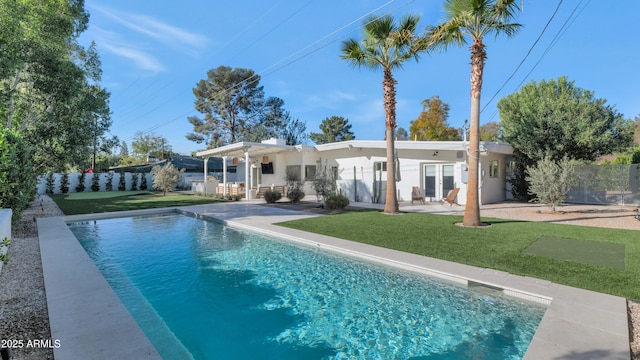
(474, 19)
(387, 45)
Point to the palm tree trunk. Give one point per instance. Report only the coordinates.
(389, 86)
(472, 207)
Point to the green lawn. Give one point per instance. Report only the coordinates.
(107, 201)
(500, 246)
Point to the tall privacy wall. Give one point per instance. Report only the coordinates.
(185, 181)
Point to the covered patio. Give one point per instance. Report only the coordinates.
(252, 154)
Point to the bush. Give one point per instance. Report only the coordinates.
(165, 177)
(271, 196)
(550, 182)
(336, 201)
(134, 181)
(109, 185)
(64, 183)
(95, 182)
(18, 184)
(143, 182)
(122, 184)
(50, 183)
(295, 195)
(80, 186)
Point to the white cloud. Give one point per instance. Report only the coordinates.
(141, 59)
(168, 34)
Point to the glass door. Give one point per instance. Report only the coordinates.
(438, 180)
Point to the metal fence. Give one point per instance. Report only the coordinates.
(607, 184)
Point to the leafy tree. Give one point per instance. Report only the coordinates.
(432, 124)
(558, 119)
(165, 177)
(48, 80)
(490, 131)
(401, 134)
(635, 156)
(294, 132)
(551, 181)
(334, 129)
(230, 101)
(275, 122)
(636, 133)
(124, 149)
(17, 180)
(144, 145)
(473, 20)
(386, 45)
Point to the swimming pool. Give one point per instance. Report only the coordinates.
(198, 288)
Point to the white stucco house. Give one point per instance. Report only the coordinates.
(360, 167)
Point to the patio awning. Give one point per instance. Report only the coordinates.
(239, 149)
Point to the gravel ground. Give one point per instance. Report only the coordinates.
(23, 311)
(23, 304)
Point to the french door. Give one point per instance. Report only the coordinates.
(438, 181)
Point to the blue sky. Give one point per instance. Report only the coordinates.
(154, 52)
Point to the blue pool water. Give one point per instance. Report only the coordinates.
(202, 290)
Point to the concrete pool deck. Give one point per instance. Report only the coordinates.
(90, 322)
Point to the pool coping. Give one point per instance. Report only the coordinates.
(90, 321)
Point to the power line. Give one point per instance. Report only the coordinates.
(525, 57)
(555, 39)
(259, 75)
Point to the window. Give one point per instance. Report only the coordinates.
(380, 165)
(309, 172)
(494, 169)
(293, 172)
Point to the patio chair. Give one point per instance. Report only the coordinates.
(451, 198)
(416, 195)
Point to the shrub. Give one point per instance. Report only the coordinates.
(18, 184)
(64, 183)
(109, 185)
(122, 184)
(143, 182)
(335, 201)
(134, 181)
(324, 182)
(165, 177)
(80, 186)
(550, 182)
(234, 197)
(95, 182)
(271, 196)
(50, 183)
(295, 195)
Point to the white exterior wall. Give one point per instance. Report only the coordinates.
(411, 171)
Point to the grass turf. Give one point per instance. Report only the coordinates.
(97, 202)
(582, 251)
(500, 246)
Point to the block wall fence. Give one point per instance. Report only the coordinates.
(75, 177)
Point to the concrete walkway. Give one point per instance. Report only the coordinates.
(89, 320)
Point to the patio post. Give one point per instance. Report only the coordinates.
(206, 170)
(247, 178)
(224, 175)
